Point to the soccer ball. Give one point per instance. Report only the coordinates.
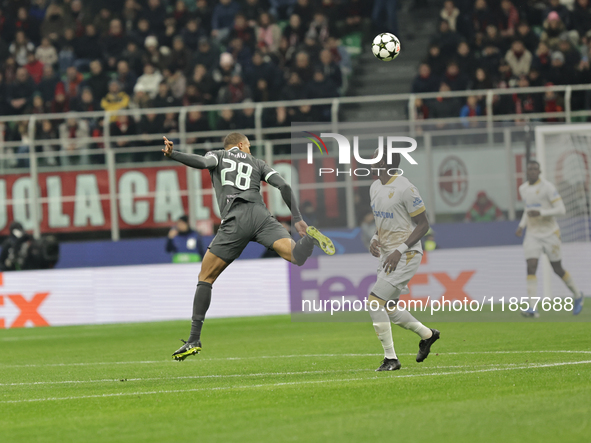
(386, 47)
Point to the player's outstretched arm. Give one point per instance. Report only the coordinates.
(289, 198)
(191, 160)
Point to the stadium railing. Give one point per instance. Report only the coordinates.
(502, 131)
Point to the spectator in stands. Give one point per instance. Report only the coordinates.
(66, 55)
(121, 127)
(481, 80)
(543, 60)
(71, 133)
(483, 209)
(46, 132)
(115, 99)
(421, 110)
(447, 39)
(206, 55)
(222, 18)
(261, 69)
(72, 82)
(34, 67)
(482, 16)
(552, 103)
(164, 98)
(126, 78)
(20, 48)
(191, 33)
(581, 17)
(227, 122)
(148, 82)
(465, 59)
(527, 36)
(87, 47)
(46, 52)
(526, 102)
(319, 27)
(303, 67)
(436, 61)
(37, 106)
(425, 81)
(196, 122)
(561, 11)
(457, 80)
(20, 92)
(134, 57)
(48, 83)
(294, 32)
(154, 14)
(98, 80)
(519, 58)
(236, 91)
(450, 14)
(444, 107)
(470, 109)
(294, 89)
(54, 23)
(572, 57)
(268, 34)
(156, 55)
(560, 73)
(86, 102)
(329, 68)
(12, 245)
(204, 83)
(182, 240)
(553, 28)
(509, 19)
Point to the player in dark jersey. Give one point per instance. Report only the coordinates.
(236, 177)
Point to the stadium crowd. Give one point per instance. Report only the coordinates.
(93, 55)
(493, 44)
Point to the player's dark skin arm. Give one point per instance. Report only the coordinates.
(287, 194)
(191, 160)
(420, 230)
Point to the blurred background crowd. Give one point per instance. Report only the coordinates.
(484, 44)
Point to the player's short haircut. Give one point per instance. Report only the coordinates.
(533, 162)
(233, 138)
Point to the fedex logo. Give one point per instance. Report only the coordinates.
(308, 282)
(28, 308)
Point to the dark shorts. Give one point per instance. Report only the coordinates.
(246, 222)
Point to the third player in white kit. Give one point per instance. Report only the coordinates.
(542, 204)
(401, 222)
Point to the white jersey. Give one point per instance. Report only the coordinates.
(541, 196)
(393, 205)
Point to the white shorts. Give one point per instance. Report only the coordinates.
(389, 286)
(533, 247)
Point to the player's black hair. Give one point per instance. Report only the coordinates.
(233, 138)
(533, 162)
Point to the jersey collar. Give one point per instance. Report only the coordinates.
(536, 182)
(392, 179)
(235, 147)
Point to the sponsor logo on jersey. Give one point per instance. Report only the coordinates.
(417, 202)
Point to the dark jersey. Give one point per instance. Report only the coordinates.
(237, 175)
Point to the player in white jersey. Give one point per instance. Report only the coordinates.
(542, 204)
(401, 222)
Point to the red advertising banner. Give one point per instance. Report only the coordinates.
(80, 201)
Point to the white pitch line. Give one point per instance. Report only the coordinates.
(198, 359)
(260, 374)
(220, 388)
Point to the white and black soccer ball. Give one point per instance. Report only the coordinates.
(386, 46)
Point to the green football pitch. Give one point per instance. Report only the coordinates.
(268, 379)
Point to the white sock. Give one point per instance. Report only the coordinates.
(404, 319)
(532, 289)
(568, 280)
(381, 324)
